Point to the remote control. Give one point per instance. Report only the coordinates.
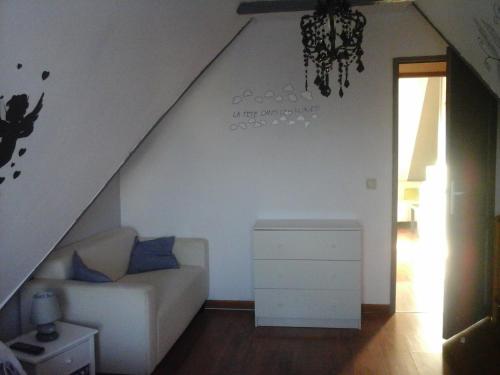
(27, 348)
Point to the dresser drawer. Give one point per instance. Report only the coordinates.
(307, 274)
(67, 362)
(314, 245)
(310, 304)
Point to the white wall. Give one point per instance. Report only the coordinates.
(412, 94)
(103, 214)
(115, 67)
(473, 27)
(194, 176)
(420, 107)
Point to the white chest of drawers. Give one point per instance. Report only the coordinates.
(307, 273)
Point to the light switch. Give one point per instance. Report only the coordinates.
(371, 183)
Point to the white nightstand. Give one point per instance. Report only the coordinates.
(71, 354)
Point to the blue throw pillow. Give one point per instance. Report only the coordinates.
(152, 255)
(82, 273)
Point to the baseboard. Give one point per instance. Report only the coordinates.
(369, 308)
(213, 304)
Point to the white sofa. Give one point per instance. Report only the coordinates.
(139, 316)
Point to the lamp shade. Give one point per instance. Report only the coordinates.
(45, 308)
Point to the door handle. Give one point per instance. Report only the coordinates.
(453, 195)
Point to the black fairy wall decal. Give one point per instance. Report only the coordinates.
(16, 123)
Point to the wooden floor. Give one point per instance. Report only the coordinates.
(407, 250)
(415, 291)
(226, 342)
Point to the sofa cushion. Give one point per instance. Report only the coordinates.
(107, 252)
(179, 295)
(82, 273)
(110, 255)
(169, 284)
(152, 255)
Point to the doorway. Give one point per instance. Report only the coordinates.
(471, 122)
(420, 184)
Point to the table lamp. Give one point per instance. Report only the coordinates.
(44, 312)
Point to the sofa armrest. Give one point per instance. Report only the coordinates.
(123, 313)
(192, 252)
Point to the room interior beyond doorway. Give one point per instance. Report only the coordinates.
(422, 179)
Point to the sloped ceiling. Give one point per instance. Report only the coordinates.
(473, 27)
(107, 70)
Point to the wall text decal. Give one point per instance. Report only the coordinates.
(273, 108)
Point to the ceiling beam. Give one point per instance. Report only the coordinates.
(270, 6)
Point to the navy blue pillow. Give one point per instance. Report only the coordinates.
(152, 255)
(82, 273)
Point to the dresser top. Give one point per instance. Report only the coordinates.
(306, 224)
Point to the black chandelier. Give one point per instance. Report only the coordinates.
(334, 32)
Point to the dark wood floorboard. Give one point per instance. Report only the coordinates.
(226, 342)
(219, 342)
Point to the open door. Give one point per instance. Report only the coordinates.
(471, 145)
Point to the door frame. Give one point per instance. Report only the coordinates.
(395, 136)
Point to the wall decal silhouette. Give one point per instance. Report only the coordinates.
(489, 38)
(496, 11)
(16, 124)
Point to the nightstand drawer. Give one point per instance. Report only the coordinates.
(66, 362)
(314, 245)
(307, 274)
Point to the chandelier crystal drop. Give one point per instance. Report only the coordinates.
(334, 32)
